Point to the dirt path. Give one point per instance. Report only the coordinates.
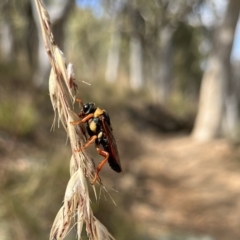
(176, 189)
(188, 188)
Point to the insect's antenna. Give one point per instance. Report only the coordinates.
(80, 101)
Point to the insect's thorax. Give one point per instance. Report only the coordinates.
(98, 112)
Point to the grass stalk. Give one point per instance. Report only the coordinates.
(76, 209)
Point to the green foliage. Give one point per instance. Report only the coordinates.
(87, 42)
(187, 58)
(28, 205)
(14, 12)
(17, 115)
(180, 106)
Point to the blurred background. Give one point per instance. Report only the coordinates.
(167, 72)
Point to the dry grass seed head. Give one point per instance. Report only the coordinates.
(61, 225)
(62, 93)
(76, 199)
(62, 71)
(55, 94)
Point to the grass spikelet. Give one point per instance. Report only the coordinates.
(71, 79)
(76, 209)
(62, 71)
(53, 96)
(101, 231)
(61, 225)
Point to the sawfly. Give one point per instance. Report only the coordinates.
(100, 131)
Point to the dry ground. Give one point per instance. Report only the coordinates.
(183, 188)
(172, 187)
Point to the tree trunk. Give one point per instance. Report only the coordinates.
(215, 82)
(231, 116)
(6, 34)
(113, 58)
(136, 63)
(230, 122)
(164, 65)
(6, 41)
(31, 36)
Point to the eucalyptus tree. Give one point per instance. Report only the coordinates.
(150, 28)
(217, 100)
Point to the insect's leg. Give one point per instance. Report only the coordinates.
(100, 165)
(85, 119)
(91, 140)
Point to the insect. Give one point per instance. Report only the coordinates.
(100, 131)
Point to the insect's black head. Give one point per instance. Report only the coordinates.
(88, 108)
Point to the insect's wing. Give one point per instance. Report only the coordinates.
(114, 160)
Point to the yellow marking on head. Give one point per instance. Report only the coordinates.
(98, 112)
